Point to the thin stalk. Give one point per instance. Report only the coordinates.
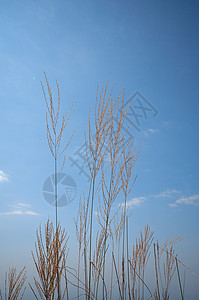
(78, 271)
(106, 228)
(117, 276)
(142, 282)
(156, 272)
(181, 292)
(66, 280)
(184, 282)
(127, 254)
(56, 221)
(139, 281)
(111, 280)
(105, 237)
(104, 283)
(85, 229)
(123, 263)
(118, 253)
(91, 228)
(55, 159)
(197, 275)
(82, 288)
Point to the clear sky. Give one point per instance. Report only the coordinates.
(150, 47)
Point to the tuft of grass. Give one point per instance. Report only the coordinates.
(49, 269)
(109, 142)
(104, 143)
(14, 284)
(139, 261)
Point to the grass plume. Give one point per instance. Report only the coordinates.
(14, 284)
(45, 260)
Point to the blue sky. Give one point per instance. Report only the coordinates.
(150, 47)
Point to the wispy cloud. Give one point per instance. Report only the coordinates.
(175, 194)
(3, 176)
(191, 200)
(169, 194)
(20, 209)
(20, 212)
(136, 201)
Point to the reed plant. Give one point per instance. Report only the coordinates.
(163, 279)
(111, 157)
(55, 131)
(80, 222)
(107, 142)
(48, 244)
(138, 263)
(14, 284)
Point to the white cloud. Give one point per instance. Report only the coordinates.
(136, 201)
(191, 200)
(20, 209)
(167, 194)
(171, 194)
(3, 176)
(20, 212)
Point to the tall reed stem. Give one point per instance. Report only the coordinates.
(156, 272)
(54, 137)
(180, 285)
(91, 228)
(127, 254)
(106, 228)
(85, 241)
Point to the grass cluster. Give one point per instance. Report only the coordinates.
(105, 269)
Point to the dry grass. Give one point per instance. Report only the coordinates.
(14, 284)
(46, 263)
(55, 131)
(54, 135)
(107, 142)
(80, 223)
(163, 279)
(139, 261)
